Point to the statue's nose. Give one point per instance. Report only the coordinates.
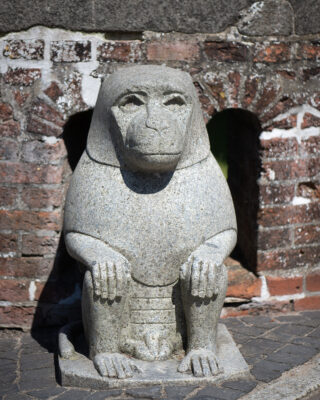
(155, 120)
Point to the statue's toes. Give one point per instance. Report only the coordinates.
(214, 365)
(114, 365)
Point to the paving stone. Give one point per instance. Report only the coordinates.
(249, 331)
(260, 322)
(153, 392)
(17, 396)
(46, 393)
(299, 320)
(292, 355)
(307, 341)
(41, 378)
(74, 394)
(259, 347)
(105, 394)
(7, 345)
(239, 338)
(266, 370)
(179, 392)
(211, 392)
(244, 385)
(9, 355)
(36, 361)
(286, 332)
(315, 333)
(312, 314)
(8, 389)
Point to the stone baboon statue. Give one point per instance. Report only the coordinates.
(150, 219)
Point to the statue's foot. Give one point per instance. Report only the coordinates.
(115, 365)
(201, 362)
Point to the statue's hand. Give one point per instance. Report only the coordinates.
(201, 272)
(110, 277)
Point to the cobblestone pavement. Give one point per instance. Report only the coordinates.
(271, 345)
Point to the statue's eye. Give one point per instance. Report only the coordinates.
(174, 102)
(131, 103)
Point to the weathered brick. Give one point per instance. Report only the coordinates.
(278, 147)
(42, 152)
(217, 91)
(39, 245)
(35, 197)
(276, 194)
(251, 88)
(13, 290)
(308, 303)
(268, 95)
(309, 51)
(16, 316)
(10, 128)
(121, 51)
(279, 286)
(234, 79)
(6, 112)
(287, 74)
(285, 123)
(8, 242)
(313, 281)
(8, 196)
(310, 120)
(290, 169)
(226, 51)
(9, 150)
(307, 234)
(37, 125)
(281, 107)
(11, 172)
(26, 267)
(54, 91)
(286, 215)
(288, 258)
(30, 220)
(174, 51)
(272, 52)
(309, 73)
(20, 97)
(22, 76)
(270, 239)
(43, 110)
(70, 51)
(242, 283)
(26, 49)
(309, 190)
(310, 146)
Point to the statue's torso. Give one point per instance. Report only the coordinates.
(155, 227)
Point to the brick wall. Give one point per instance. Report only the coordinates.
(49, 82)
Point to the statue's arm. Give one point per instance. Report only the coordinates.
(205, 264)
(109, 269)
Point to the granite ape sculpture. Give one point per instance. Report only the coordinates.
(150, 218)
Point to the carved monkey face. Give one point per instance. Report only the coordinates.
(153, 121)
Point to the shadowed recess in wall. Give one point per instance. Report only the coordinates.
(234, 139)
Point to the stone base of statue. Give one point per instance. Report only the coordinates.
(78, 370)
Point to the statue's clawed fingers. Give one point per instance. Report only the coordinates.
(114, 365)
(201, 363)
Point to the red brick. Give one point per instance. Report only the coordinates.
(279, 286)
(310, 120)
(271, 52)
(38, 125)
(310, 146)
(309, 190)
(26, 49)
(287, 74)
(6, 112)
(280, 194)
(44, 111)
(226, 51)
(309, 51)
(242, 283)
(53, 292)
(270, 239)
(286, 215)
(70, 51)
(10, 128)
(285, 123)
(268, 95)
(234, 79)
(217, 91)
(8, 196)
(11, 172)
(281, 107)
(122, 51)
(13, 290)
(307, 234)
(17, 316)
(41, 152)
(39, 245)
(288, 258)
(251, 88)
(20, 97)
(313, 281)
(290, 169)
(53, 91)
(26, 267)
(309, 73)
(174, 51)
(30, 220)
(9, 150)
(308, 303)
(22, 76)
(278, 147)
(8, 242)
(35, 197)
